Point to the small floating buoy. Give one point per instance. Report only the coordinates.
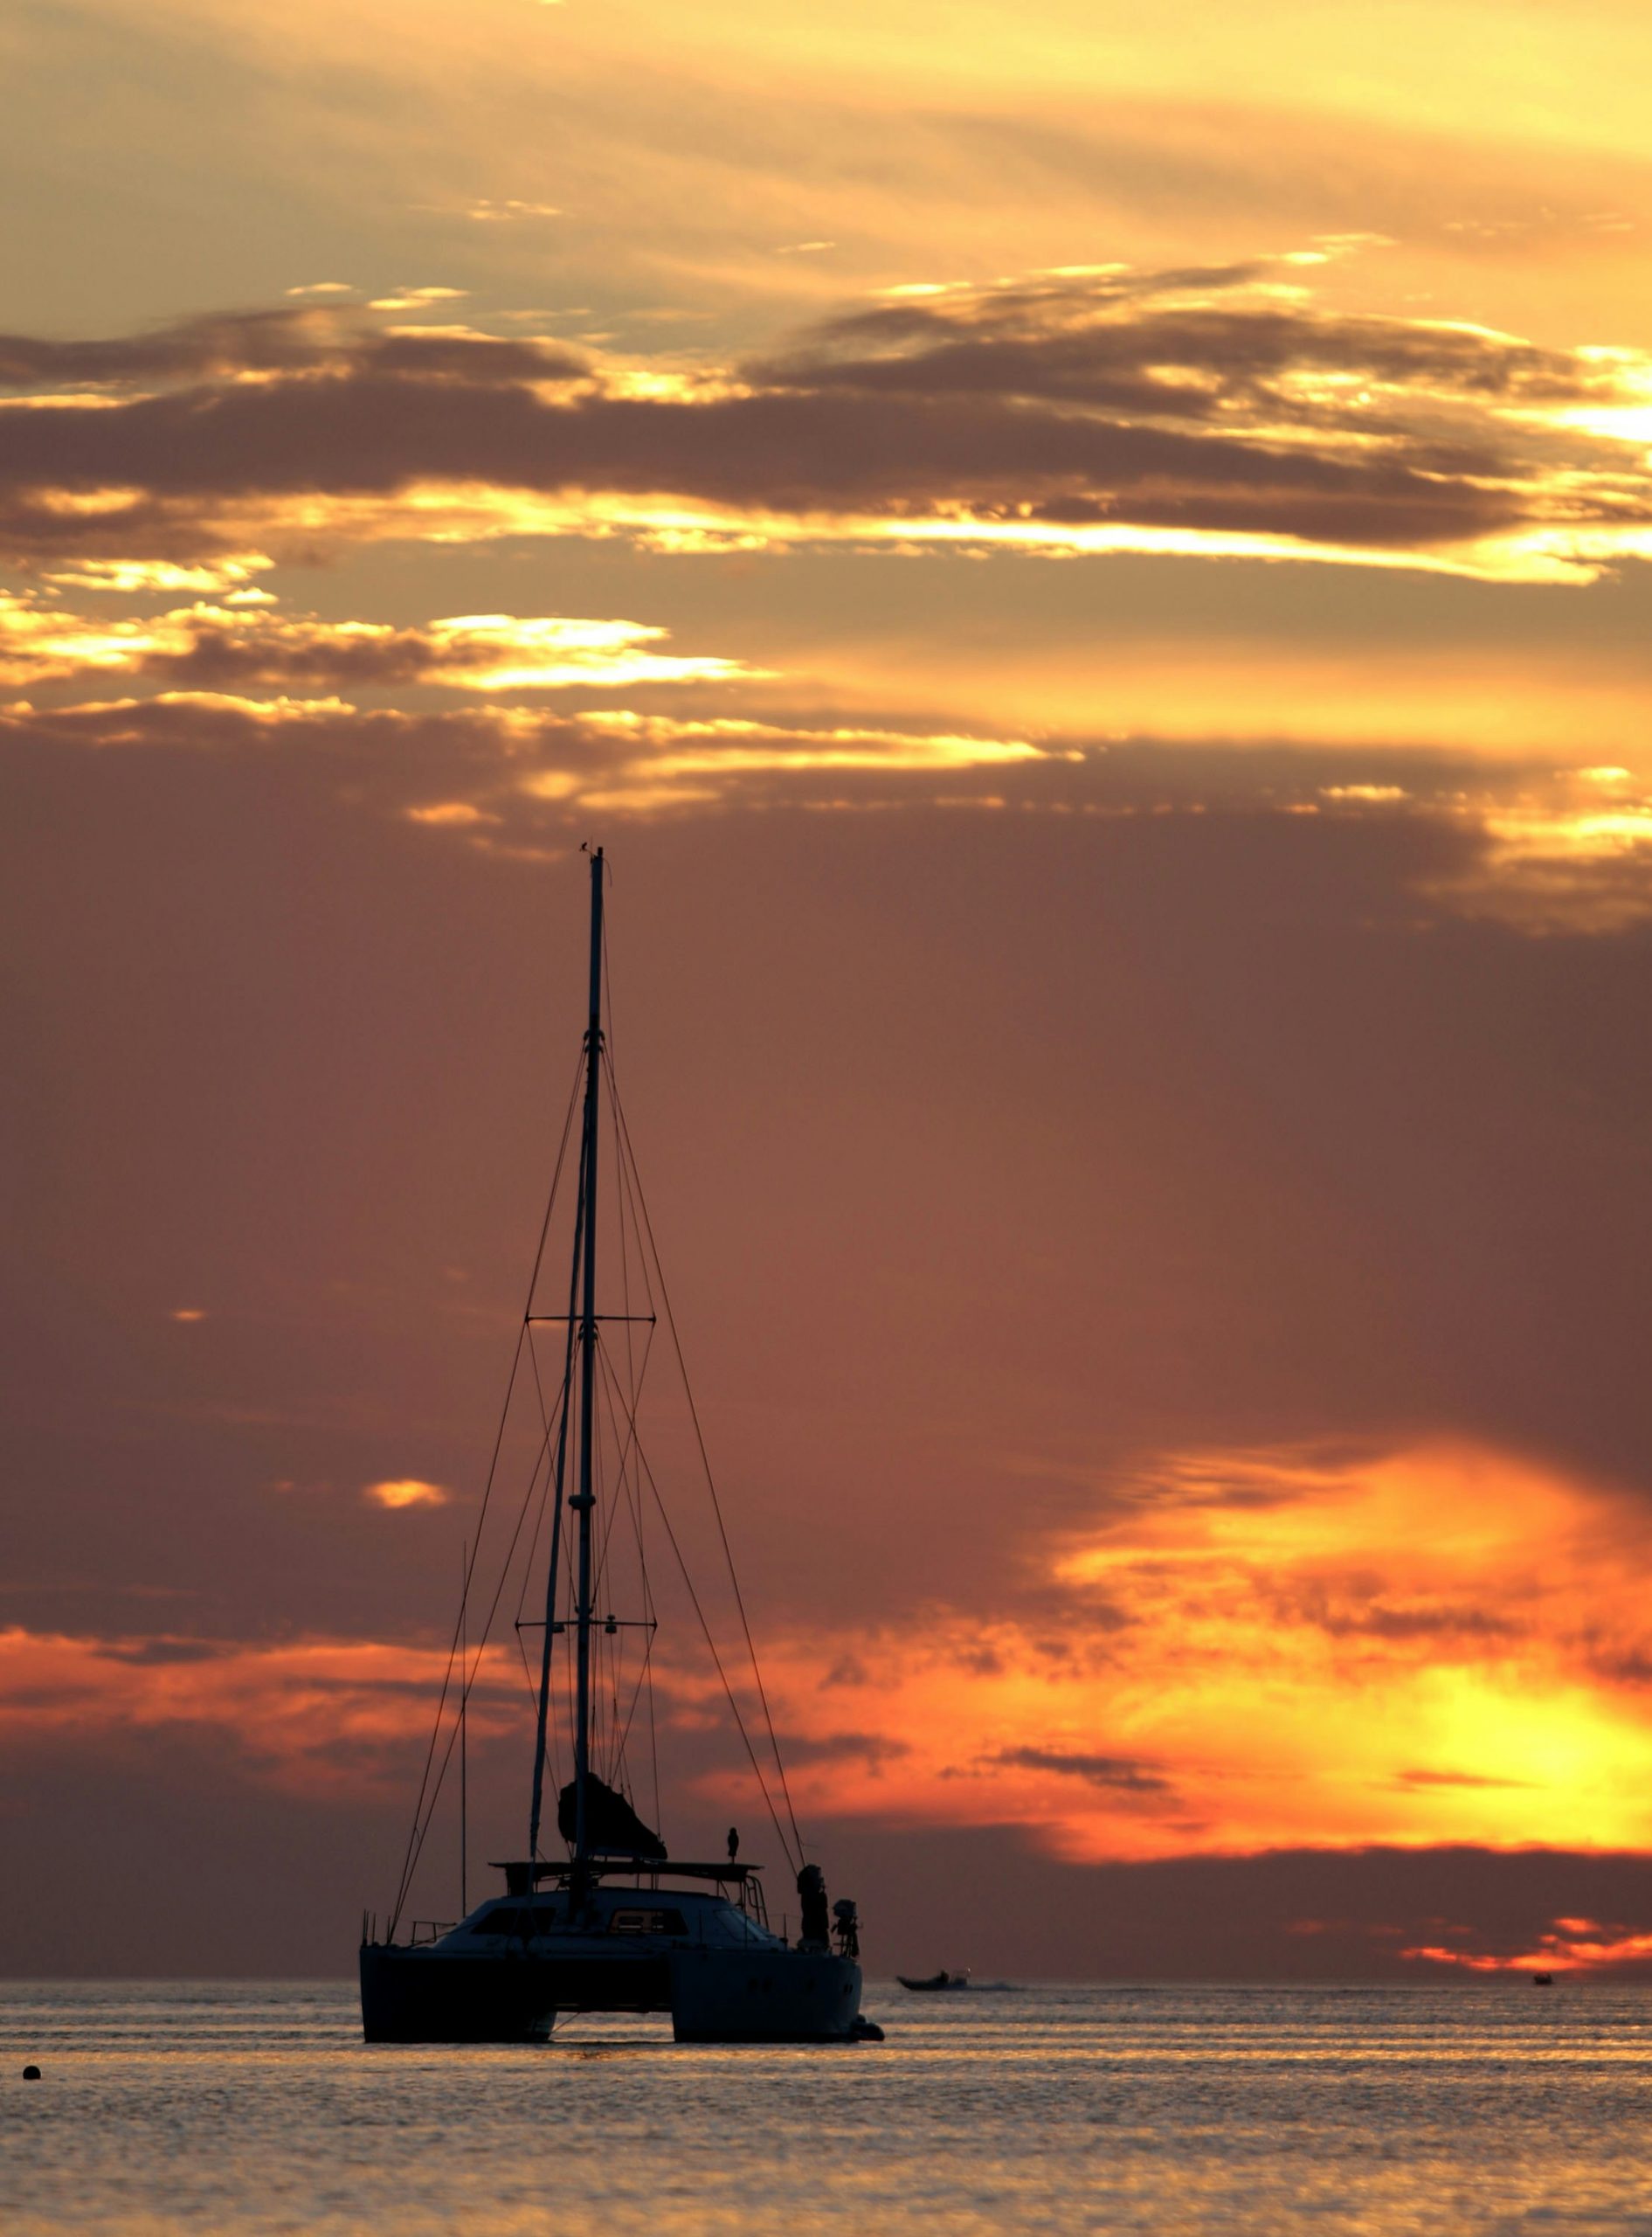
(32, 2073)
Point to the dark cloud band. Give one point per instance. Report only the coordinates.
(1063, 413)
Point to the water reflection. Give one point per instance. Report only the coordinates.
(255, 2109)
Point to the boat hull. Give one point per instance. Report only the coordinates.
(429, 1996)
(764, 1996)
(714, 1996)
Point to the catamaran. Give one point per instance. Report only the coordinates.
(601, 1917)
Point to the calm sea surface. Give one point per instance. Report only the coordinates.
(255, 2107)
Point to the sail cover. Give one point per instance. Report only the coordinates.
(612, 1827)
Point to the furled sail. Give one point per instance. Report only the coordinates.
(612, 1827)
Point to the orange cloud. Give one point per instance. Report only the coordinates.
(1247, 1651)
(407, 1490)
(309, 1714)
(1570, 1946)
(1259, 1650)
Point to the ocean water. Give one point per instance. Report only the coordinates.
(254, 2107)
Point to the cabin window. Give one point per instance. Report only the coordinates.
(641, 1921)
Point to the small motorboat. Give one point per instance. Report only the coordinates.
(1543, 1980)
(942, 1980)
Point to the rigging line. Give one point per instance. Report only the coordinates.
(552, 1425)
(636, 1372)
(557, 1478)
(553, 1418)
(441, 1774)
(631, 1713)
(711, 1486)
(532, 1684)
(550, 1422)
(423, 1830)
(547, 1421)
(628, 1487)
(653, 1742)
(632, 1493)
(624, 1402)
(637, 1687)
(601, 1651)
(532, 1283)
(636, 1690)
(626, 1178)
(651, 1618)
(628, 1238)
(607, 1507)
(559, 1648)
(569, 1682)
(410, 1858)
(637, 1369)
(415, 1839)
(527, 1671)
(630, 1445)
(539, 1524)
(468, 1681)
(711, 1648)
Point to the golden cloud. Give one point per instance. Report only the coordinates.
(1086, 410)
(1261, 1649)
(248, 644)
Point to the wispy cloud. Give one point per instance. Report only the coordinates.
(417, 299)
(509, 211)
(525, 762)
(1544, 849)
(218, 645)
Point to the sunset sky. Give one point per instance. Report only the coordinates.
(1091, 568)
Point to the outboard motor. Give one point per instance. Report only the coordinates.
(846, 1927)
(812, 1892)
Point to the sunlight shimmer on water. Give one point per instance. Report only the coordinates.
(255, 2108)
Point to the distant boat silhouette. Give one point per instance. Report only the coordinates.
(705, 1952)
(942, 1980)
(1543, 1980)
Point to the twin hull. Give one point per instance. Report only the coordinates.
(714, 1996)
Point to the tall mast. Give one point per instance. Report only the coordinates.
(585, 1498)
